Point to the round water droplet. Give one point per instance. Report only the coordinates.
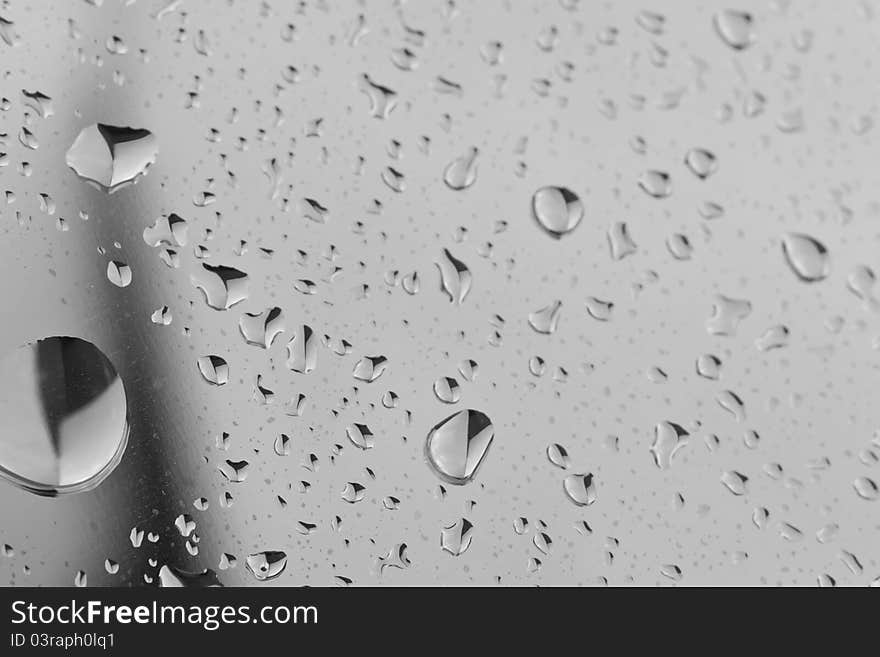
(456, 447)
(867, 489)
(558, 456)
(701, 162)
(557, 210)
(64, 414)
(119, 273)
(657, 184)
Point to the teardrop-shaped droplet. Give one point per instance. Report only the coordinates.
(461, 173)
(806, 256)
(557, 210)
(558, 456)
(456, 447)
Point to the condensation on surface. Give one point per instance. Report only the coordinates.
(642, 242)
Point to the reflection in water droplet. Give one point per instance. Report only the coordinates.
(64, 415)
(807, 257)
(302, 350)
(447, 390)
(546, 319)
(214, 369)
(174, 577)
(736, 28)
(360, 435)
(456, 538)
(455, 277)
(580, 489)
(668, 439)
(557, 210)
(222, 286)
(266, 565)
(370, 368)
(455, 447)
(261, 329)
(353, 492)
(112, 156)
(461, 173)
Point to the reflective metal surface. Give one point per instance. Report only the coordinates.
(639, 243)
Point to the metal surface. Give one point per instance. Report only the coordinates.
(584, 96)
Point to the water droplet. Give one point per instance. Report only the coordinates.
(736, 28)
(774, 337)
(580, 489)
(807, 257)
(119, 273)
(65, 416)
(234, 471)
(261, 329)
(455, 277)
(214, 369)
(727, 313)
(175, 577)
(455, 447)
(222, 286)
(382, 99)
(735, 482)
(657, 184)
(709, 367)
(112, 156)
(370, 368)
(557, 210)
(302, 350)
(730, 401)
(619, 241)
(668, 439)
(866, 488)
(353, 492)
(447, 390)
(701, 162)
(599, 309)
(266, 565)
(360, 435)
(461, 173)
(456, 538)
(546, 319)
(558, 456)
(679, 246)
(166, 230)
(468, 370)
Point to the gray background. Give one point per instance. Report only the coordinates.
(813, 399)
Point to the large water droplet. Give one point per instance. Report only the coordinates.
(807, 257)
(668, 439)
(261, 329)
(557, 210)
(370, 368)
(455, 447)
(64, 414)
(302, 350)
(456, 538)
(112, 156)
(214, 370)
